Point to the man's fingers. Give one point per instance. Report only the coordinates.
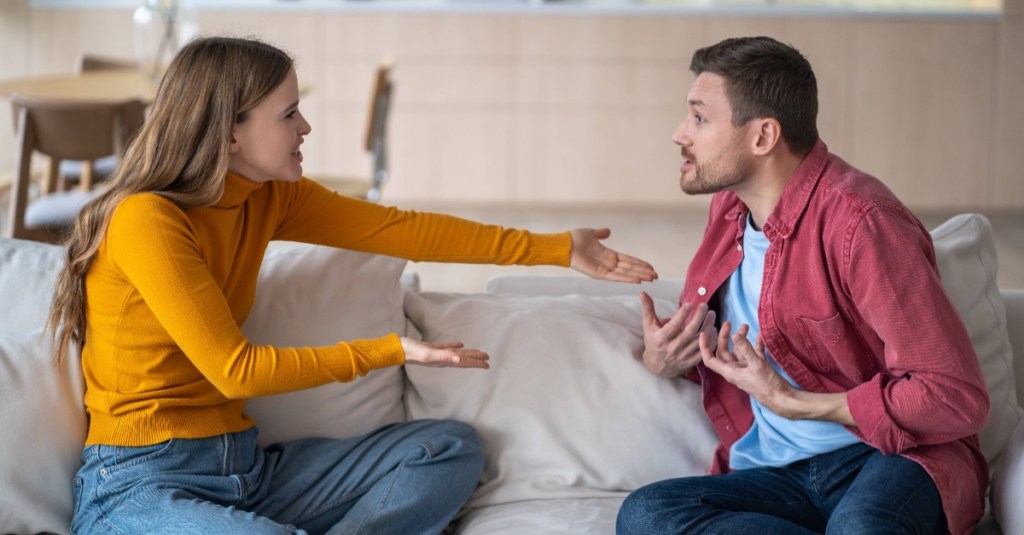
(674, 325)
(650, 317)
(707, 354)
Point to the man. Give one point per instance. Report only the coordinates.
(841, 380)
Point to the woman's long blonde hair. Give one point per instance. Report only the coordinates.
(181, 153)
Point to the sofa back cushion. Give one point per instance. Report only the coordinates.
(28, 270)
(310, 295)
(567, 409)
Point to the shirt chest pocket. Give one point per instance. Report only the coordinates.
(833, 345)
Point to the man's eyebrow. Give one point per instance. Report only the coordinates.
(697, 103)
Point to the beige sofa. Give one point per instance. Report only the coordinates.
(569, 418)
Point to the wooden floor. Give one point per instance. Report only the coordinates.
(665, 238)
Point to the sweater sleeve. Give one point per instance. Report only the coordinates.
(150, 242)
(932, 390)
(316, 215)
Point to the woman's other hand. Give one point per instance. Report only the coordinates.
(443, 354)
(592, 258)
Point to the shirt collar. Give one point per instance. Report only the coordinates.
(237, 189)
(797, 193)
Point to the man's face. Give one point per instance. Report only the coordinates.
(715, 153)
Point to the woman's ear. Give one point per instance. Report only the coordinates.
(768, 135)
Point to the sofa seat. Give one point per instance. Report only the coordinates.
(579, 516)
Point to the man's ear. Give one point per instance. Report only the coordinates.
(767, 136)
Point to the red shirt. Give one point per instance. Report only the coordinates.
(852, 302)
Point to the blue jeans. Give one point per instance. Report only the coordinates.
(404, 479)
(854, 490)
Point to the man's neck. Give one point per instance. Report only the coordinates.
(762, 192)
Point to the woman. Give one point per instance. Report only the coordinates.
(161, 271)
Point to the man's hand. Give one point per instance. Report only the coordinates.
(746, 367)
(443, 354)
(671, 347)
(590, 257)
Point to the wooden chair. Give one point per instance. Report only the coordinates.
(61, 131)
(92, 62)
(87, 173)
(375, 142)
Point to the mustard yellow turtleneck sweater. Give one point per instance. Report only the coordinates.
(164, 356)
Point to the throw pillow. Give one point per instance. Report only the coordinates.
(43, 432)
(309, 295)
(567, 409)
(966, 255)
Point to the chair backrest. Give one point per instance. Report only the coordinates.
(93, 62)
(376, 127)
(62, 131)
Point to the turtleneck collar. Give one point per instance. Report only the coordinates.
(237, 189)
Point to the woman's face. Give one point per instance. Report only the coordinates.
(265, 146)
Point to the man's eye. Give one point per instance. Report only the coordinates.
(699, 119)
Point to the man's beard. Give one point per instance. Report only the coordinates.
(713, 177)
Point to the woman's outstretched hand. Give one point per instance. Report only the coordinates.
(443, 354)
(592, 258)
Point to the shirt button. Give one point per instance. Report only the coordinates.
(103, 472)
(702, 291)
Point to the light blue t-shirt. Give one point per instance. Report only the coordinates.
(772, 440)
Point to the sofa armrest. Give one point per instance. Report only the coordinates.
(668, 289)
(1008, 485)
(1013, 300)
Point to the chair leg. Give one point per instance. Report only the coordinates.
(53, 181)
(85, 180)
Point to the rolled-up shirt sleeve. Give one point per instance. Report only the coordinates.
(931, 389)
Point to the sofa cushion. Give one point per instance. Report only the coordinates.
(966, 255)
(1008, 486)
(310, 295)
(28, 270)
(567, 409)
(582, 516)
(42, 430)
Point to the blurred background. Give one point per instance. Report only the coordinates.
(552, 114)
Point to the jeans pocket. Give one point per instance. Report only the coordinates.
(76, 495)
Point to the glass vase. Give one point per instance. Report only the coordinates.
(161, 28)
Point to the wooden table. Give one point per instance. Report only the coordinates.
(92, 86)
